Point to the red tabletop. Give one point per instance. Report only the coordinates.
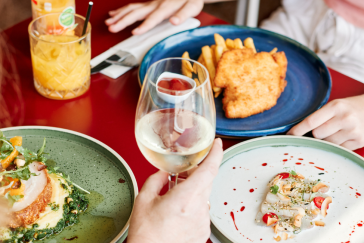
(106, 112)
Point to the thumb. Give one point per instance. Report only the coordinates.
(154, 184)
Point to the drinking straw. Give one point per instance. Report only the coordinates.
(90, 4)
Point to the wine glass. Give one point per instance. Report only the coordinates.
(175, 120)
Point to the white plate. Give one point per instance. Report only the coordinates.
(343, 171)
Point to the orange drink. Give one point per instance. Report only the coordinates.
(60, 56)
(42, 7)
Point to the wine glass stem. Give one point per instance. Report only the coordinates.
(173, 178)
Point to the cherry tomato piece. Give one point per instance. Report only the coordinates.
(318, 202)
(283, 175)
(270, 215)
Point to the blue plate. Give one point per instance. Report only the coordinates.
(308, 80)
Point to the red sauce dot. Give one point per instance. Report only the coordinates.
(234, 189)
(242, 208)
(358, 194)
(286, 154)
(285, 160)
(311, 163)
(225, 203)
(232, 216)
(339, 223)
(234, 168)
(360, 225)
(251, 190)
(261, 239)
(264, 164)
(300, 159)
(319, 168)
(298, 163)
(351, 187)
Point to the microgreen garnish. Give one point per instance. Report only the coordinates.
(41, 150)
(54, 206)
(274, 189)
(5, 147)
(68, 179)
(22, 173)
(13, 199)
(292, 172)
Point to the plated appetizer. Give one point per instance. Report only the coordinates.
(252, 82)
(40, 200)
(292, 204)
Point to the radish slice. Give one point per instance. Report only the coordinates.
(33, 187)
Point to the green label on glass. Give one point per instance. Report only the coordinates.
(66, 18)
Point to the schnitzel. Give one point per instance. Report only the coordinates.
(253, 82)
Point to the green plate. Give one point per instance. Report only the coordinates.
(95, 167)
(241, 186)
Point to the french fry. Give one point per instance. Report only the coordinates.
(213, 47)
(249, 43)
(187, 63)
(194, 66)
(238, 44)
(219, 40)
(207, 55)
(273, 51)
(218, 52)
(230, 44)
(187, 68)
(200, 58)
(218, 93)
(197, 82)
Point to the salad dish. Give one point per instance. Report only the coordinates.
(275, 188)
(39, 200)
(85, 161)
(292, 204)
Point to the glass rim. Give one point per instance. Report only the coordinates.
(88, 29)
(178, 58)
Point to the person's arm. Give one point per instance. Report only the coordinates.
(182, 214)
(154, 12)
(340, 121)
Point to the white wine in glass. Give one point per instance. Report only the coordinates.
(175, 121)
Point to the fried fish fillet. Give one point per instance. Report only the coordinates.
(253, 82)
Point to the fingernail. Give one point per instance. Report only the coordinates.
(174, 20)
(112, 28)
(136, 31)
(219, 141)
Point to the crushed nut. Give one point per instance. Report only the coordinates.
(319, 223)
(278, 238)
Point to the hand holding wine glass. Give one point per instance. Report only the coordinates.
(182, 214)
(175, 121)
